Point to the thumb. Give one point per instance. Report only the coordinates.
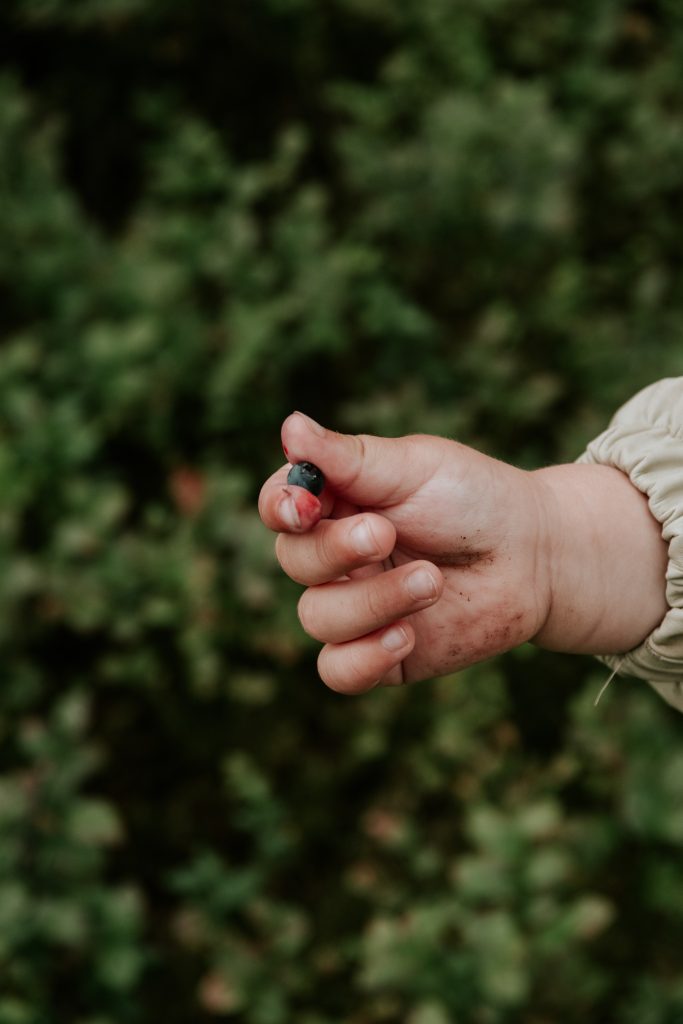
(367, 470)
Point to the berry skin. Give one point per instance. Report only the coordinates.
(308, 476)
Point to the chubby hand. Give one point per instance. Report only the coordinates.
(420, 557)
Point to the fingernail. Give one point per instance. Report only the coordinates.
(315, 427)
(394, 639)
(289, 514)
(363, 540)
(421, 585)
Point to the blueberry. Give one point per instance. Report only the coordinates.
(305, 474)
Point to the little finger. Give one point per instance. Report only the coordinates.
(360, 665)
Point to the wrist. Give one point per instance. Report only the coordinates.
(602, 556)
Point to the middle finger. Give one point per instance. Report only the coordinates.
(335, 547)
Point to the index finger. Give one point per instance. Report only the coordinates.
(290, 509)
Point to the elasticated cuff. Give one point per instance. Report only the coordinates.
(645, 441)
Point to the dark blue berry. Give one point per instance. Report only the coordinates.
(305, 474)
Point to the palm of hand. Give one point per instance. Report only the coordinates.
(476, 525)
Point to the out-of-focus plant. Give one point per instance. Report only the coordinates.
(71, 942)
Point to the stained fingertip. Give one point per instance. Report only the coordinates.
(288, 514)
(299, 510)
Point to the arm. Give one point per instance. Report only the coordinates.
(606, 557)
(570, 557)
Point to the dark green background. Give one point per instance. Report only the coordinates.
(460, 217)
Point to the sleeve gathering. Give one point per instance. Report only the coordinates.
(645, 440)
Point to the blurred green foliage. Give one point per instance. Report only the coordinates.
(450, 216)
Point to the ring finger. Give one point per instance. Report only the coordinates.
(362, 664)
(344, 610)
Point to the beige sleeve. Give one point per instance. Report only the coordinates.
(645, 441)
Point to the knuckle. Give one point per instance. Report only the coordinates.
(325, 668)
(376, 600)
(306, 614)
(283, 553)
(281, 550)
(325, 552)
(312, 558)
(302, 610)
(356, 459)
(356, 673)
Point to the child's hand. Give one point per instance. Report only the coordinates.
(426, 559)
(423, 556)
